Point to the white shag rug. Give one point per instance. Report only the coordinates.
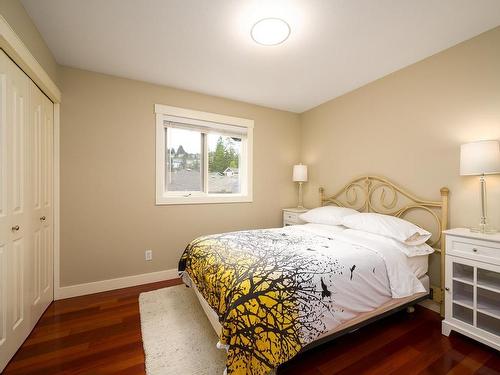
(178, 339)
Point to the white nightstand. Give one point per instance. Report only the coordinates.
(472, 285)
(291, 216)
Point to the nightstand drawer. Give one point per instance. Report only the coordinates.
(291, 217)
(473, 249)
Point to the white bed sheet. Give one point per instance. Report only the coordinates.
(419, 265)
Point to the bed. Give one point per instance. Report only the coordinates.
(272, 293)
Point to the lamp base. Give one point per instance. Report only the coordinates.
(299, 205)
(484, 227)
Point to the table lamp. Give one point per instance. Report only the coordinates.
(480, 159)
(300, 176)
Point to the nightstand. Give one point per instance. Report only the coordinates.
(291, 216)
(472, 285)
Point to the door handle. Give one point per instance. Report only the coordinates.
(42, 218)
(15, 228)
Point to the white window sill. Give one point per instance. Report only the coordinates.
(210, 199)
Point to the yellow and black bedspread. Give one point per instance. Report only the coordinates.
(269, 289)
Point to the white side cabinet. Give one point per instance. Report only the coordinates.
(472, 286)
(291, 216)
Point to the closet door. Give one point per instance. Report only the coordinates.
(15, 220)
(41, 109)
(5, 235)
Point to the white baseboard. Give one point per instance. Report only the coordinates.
(112, 284)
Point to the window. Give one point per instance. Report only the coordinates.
(202, 157)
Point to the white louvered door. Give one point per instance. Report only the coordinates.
(15, 221)
(5, 236)
(26, 249)
(41, 172)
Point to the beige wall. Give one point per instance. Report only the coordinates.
(409, 126)
(108, 215)
(15, 14)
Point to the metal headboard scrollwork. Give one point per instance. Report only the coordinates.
(362, 194)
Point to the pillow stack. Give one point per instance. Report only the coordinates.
(410, 238)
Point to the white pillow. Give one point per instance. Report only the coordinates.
(408, 250)
(414, 250)
(389, 226)
(328, 215)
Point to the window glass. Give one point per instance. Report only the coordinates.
(183, 160)
(224, 155)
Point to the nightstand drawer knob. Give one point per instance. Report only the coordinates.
(474, 249)
(447, 289)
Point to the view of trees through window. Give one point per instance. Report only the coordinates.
(223, 164)
(184, 162)
(225, 155)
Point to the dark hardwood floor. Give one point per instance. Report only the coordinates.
(100, 334)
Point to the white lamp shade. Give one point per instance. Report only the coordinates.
(477, 158)
(300, 173)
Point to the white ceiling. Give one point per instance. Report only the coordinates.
(205, 46)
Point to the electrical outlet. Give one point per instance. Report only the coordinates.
(148, 255)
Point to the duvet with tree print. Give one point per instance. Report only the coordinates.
(277, 290)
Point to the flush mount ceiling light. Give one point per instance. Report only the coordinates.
(270, 31)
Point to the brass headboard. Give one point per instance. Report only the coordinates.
(362, 194)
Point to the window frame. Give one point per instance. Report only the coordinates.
(215, 121)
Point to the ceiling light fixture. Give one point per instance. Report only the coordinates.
(270, 31)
